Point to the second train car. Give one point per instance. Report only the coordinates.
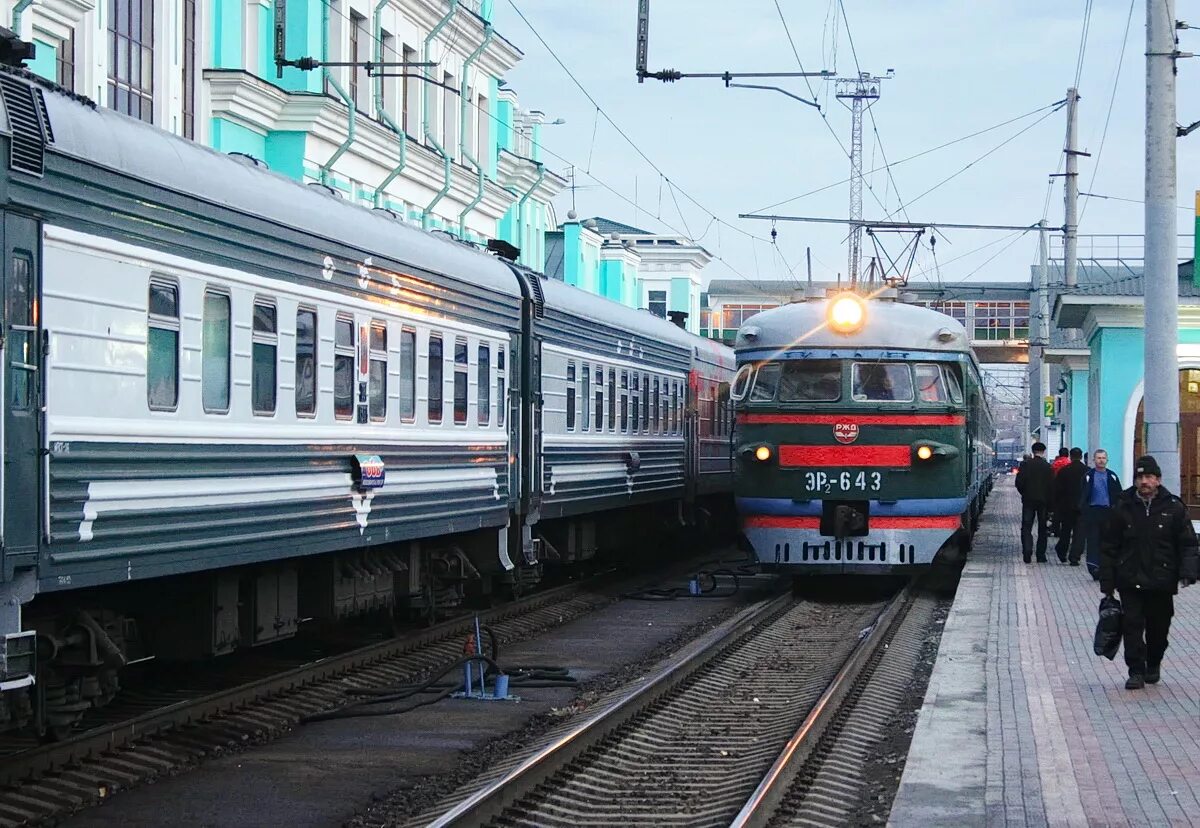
(863, 439)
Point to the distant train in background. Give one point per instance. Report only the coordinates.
(863, 440)
(1008, 452)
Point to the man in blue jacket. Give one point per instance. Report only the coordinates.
(1099, 493)
(1148, 550)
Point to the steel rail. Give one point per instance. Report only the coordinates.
(492, 799)
(762, 803)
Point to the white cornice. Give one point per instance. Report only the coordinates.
(519, 174)
(617, 252)
(497, 60)
(59, 17)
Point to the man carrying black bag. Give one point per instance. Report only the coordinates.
(1149, 547)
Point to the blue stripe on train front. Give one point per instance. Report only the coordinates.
(916, 507)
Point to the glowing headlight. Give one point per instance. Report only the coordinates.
(763, 453)
(847, 313)
(924, 452)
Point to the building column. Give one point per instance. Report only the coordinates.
(1076, 413)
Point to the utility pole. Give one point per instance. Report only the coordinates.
(1071, 192)
(1039, 377)
(861, 92)
(1161, 324)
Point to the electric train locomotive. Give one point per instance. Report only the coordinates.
(863, 439)
(233, 402)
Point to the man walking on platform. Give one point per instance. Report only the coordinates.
(1100, 491)
(1034, 480)
(1148, 548)
(1060, 462)
(1068, 484)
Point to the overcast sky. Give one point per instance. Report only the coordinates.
(960, 67)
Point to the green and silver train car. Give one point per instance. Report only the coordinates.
(863, 439)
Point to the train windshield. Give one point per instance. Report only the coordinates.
(816, 380)
(882, 381)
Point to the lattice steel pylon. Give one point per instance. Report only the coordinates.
(861, 92)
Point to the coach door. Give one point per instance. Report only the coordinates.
(19, 348)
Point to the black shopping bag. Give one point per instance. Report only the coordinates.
(1108, 628)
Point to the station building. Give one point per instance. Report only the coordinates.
(447, 148)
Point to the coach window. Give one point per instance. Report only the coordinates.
(570, 395)
(263, 359)
(654, 416)
(612, 399)
(214, 349)
(484, 369)
(501, 399)
(162, 347)
(666, 406)
(599, 399)
(625, 401)
(723, 408)
(882, 382)
(343, 367)
(765, 383)
(585, 386)
(810, 380)
(634, 399)
(408, 374)
(931, 387)
(645, 402)
(675, 405)
(306, 362)
(460, 381)
(435, 378)
(377, 378)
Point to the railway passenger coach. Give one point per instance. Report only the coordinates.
(863, 439)
(233, 402)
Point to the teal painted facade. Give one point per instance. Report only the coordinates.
(1077, 423)
(266, 49)
(1116, 368)
(45, 60)
(679, 298)
(495, 129)
(284, 152)
(230, 137)
(227, 34)
(306, 21)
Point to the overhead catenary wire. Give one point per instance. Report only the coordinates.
(1108, 115)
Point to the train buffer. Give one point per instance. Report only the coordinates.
(1023, 725)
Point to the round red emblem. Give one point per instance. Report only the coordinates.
(845, 432)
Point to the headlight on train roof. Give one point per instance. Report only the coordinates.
(847, 313)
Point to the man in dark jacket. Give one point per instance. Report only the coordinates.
(1147, 549)
(1034, 480)
(1099, 493)
(1068, 483)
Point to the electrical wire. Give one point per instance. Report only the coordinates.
(1108, 115)
(1083, 39)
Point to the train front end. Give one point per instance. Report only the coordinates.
(853, 445)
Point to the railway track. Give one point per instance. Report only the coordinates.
(173, 728)
(766, 719)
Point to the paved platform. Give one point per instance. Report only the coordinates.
(1023, 725)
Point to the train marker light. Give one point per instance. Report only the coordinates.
(924, 452)
(763, 453)
(847, 313)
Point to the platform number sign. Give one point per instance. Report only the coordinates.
(1048, 406)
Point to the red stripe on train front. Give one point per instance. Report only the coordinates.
(857, 419)
(841, 456)
(950, 522)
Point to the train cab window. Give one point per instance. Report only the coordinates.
(214, 350)
(484, 371)
(599, 399)
(501, 398)
(377, 376)
(952, 384)
(570, 395)
(931, 385)
(343, 367)
(306, 362)
(612, 399)
(408, 374)
(625, 401)
(264, 351)
(634, 397)
(435, 378)
(741, 382)
(585, 384)
(460, 381)
(162, 347)
(815, 380)
(882, 382)
(765, 383)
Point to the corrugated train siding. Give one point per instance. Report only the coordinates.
(166, 534)
(660, 476)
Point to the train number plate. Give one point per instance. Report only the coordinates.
(845, 482)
